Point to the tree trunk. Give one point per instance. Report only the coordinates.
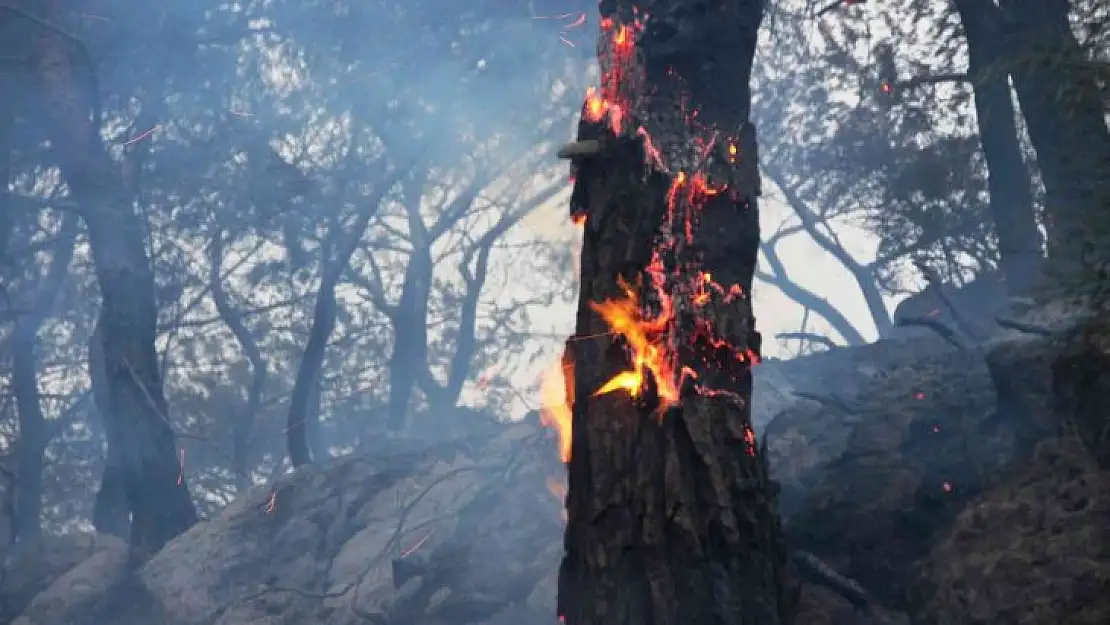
(671, 514)
(111, 515)
(1011, 189)
(1064, 114)
(242, 426)
(34, 435)
(409, 360)
(141, 441)
(301, 415)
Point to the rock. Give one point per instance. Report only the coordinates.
(79, 591)
(31, 569)
(1033, 552)
(1081, 381)
(321, 546)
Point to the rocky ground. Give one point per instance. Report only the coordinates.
(921, 483)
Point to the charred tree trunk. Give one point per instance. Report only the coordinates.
(1011, 189)
(1063, 110)
(671, 514)
(139, 433)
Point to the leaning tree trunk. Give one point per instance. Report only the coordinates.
(140, 438)
(1008, 180)
(671, 514)
(1059, 97)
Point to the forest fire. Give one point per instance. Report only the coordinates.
(647, 329)
(557, 393)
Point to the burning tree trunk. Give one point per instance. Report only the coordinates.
(671, 514)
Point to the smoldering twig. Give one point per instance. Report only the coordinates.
(814, 570)
(1021, 326)
(936, 325)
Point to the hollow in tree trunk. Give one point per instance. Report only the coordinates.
(671, 514)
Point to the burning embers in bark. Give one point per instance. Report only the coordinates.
(683, 331)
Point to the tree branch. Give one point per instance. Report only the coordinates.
(863, 275)
(807, 337)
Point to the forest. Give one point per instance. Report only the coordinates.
(628, 312)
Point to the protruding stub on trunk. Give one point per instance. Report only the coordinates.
(586, 148)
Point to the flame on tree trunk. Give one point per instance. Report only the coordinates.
(671, 514)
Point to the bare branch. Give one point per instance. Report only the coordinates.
(931, 79)
(1020, 326)
(816, 571)
(933, 279)
(936, 325)
(807, 337)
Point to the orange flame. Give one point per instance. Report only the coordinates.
(557, 393)
(646, 342)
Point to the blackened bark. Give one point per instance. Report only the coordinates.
(1067, 126)
(1009, 184)
(141, 441)
(671, 517)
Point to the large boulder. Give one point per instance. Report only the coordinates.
(429, 538)
(30, 569)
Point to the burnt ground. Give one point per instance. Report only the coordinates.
(933, 485)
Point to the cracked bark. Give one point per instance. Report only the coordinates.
(673, 520)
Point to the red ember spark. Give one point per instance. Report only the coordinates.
(919, 396)
(420, 543)
(946, 487)
(271, 503)
(142, 136)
